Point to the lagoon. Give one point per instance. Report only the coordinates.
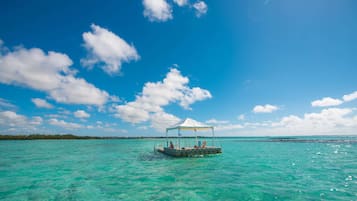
(128, 169)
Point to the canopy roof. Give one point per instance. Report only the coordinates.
(190, 124)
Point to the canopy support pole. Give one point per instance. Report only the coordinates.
(179, 136)
(213, 136)
(167, 139)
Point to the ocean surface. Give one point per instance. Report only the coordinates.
(305, 168)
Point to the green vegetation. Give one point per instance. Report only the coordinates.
(45, 137)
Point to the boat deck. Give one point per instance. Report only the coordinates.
(189, 151)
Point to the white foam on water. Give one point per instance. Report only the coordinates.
(349, 178)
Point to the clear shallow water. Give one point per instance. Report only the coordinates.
(248, 169)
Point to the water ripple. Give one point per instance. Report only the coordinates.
(248, 169)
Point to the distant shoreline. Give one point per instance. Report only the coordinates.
(76, 137)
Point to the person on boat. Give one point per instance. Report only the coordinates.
(171, 145)
(204, 143)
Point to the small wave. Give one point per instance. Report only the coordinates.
(349, 178)
(151, 157)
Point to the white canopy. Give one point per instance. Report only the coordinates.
(190, 124)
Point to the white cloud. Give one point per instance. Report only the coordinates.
(41, 103)
(50, 73)
(18, 123)
(142, 127)
(10, 118)
(114, 130)
(114, 99)
(201, 8)
(81, 114)
(133, 112)
(161, 11)
(33, 68)
(106, 127)
(215, 121)
(107, 50)
(325, 102)
(265, 108)
(2, 47)
(157, 10)
(222, 125)
(241, 117)
(350, 97)
(56, 116)
(328, 121)
(228, 127)
(64, 124)
(63, 111)
(6, 104)
(154, 96)
(181, 2)
(161, 120)
(79, 91)
(192, 95)
(36, 120)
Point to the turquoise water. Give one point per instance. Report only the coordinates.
(248, 169)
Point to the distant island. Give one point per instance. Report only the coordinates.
(75, 137)
(45, 137)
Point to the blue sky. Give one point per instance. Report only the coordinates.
(131, 68)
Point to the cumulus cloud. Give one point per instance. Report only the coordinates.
(201, 8)
(161, 120)
(157, 10)
(192, 95)
(107, 50)
(134, 112)
(81, 114)
(33, 68)
(350, 97)
(181, 2)
(12, 119)
(2, 47)
(50, 73)
(265, 108)
(326, 102)
(64, 124)
(330, 120)
(154, 96)
(20, 123)
(41, 103)
(161, 11)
